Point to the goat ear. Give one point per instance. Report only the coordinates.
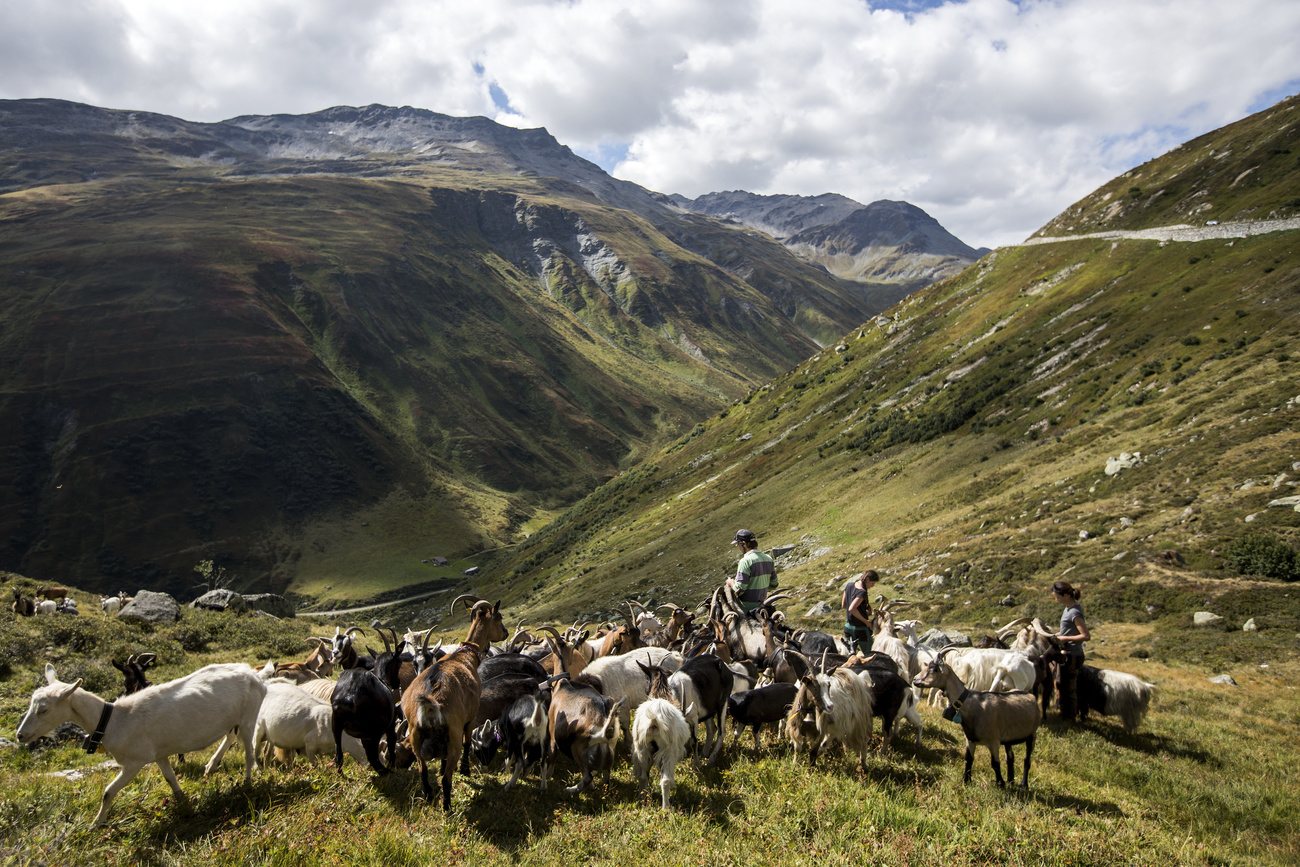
(496, 608)
(72, 687)
(119, 666)
(50, 677)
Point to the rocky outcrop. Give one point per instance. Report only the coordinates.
(151, 607)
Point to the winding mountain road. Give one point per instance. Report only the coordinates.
(1181, 232)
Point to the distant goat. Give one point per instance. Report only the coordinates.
(187, 714)
(23, 606)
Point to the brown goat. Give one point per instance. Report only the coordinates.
(441, 703)
(52, 592)
(585, 726)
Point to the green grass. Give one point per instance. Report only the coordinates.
(1187, 788)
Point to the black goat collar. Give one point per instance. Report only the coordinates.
(93, 739)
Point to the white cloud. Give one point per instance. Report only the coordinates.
(992, 115)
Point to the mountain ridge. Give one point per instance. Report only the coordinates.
(239, 341)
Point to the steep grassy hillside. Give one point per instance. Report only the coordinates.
(960, 445)
(248, 341)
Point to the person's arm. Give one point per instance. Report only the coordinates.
(741, 582)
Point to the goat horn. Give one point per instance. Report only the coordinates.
(669, 605)
(352, 629)
(552, 630)
(777, 597)
(1043, 632)
(1012, 627)
(452, 610)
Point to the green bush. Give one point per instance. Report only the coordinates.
(1259, 554)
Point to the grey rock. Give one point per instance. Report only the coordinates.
(221, 600)
(780, 550)
(1249, 626)
(821, 609)
(273, 604)
(1285, 502)
(151, 607)
(1008, 601)
(1205, 618)
(938, 638)
(1125, 461)
(1224, 679)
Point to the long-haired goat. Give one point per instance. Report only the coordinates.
(994, 719)
(1114, 693)
(659, 737)
(180, 716)
(838, 706)
(442, 701)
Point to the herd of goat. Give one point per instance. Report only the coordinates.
(539, 696)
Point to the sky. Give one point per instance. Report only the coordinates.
(992, 115)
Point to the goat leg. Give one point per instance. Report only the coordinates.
(1029, 751)
(996, 761)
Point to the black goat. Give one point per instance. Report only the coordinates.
(133, 676)
(364, 706)
(755, 708)
(521, 731)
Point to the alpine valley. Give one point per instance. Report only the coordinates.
(320, 350)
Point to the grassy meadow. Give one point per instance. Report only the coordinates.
(1209, 778)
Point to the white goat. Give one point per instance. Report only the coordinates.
(620, 677)
(659, 737)
(838, 707)
(180, 716)
(47, 606)
(292, 720)
(1014, 671)
(111, 605)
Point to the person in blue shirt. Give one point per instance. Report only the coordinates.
(755, 573)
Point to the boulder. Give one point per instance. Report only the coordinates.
(937, 639)
(1285, 502)
(1125, 461)
(1224, 679)
(273, 604)
(779, 550)
(1250, 626)
(221, 600)
(151, 607)
(821, 609)
(1205, 618)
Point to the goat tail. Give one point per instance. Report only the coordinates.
(428, 714)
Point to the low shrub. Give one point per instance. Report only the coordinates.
(1261, 554)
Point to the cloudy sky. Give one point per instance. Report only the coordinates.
(992, 115)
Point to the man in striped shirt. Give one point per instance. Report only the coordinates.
(755, 573)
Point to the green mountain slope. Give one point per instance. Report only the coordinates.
(960, 444)
(246, 341)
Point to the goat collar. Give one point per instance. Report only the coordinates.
(92, 740)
